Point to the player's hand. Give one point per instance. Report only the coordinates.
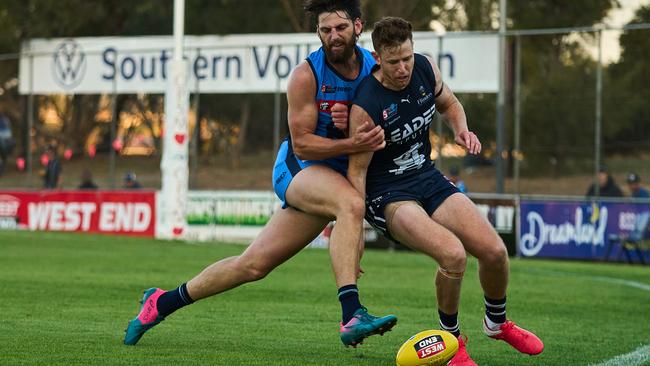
(469, 141)
(368, 138)
(340, 116)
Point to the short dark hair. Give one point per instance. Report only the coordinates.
(316, 7)
(391, 32)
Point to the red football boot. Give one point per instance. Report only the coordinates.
(461, 358)
(522, 340)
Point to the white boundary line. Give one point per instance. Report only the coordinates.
(636, 358)
(639, 356)
(614, 280)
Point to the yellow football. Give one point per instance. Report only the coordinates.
(429, 347)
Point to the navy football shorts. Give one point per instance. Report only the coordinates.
(429, 189)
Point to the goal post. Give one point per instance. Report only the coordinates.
(174, 163)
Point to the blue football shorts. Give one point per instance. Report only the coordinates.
(287, 165)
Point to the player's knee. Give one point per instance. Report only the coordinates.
(496, 256)
(454, 259)
(353, 206)
(256, 273)
(252, 270)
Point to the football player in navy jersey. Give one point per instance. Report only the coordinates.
(410, 201)
(310, 180)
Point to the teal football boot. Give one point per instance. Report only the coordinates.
(146, 319)
(363, 325)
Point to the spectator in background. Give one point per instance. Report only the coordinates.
(6, 141)
(636, 189)
(87, 180)
(454, 177)
(608, 187)
(130, 181)
(52, 176)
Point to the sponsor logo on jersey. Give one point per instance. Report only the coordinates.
(324, 106)
(389, 112)
(414, 128)
(412, 159)
(424, 96)
(406, 100)
(327, 89)
(281, 177)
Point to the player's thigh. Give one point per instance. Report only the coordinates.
(320, 190)
(409, 223)
(461, 216)
(287, 232)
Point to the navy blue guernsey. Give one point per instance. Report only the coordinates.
(405, 116)
(333, 88)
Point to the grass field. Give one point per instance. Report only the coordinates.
(66, 300)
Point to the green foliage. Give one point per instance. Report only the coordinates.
(627, 93)
(558, 103)
(535, 14)
(558, 84)
(418, 12)
(72, 295)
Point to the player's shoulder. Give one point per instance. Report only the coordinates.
(369, 82)
(367, 89)
(302, 77)
(423, 60)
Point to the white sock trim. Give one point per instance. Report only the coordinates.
(491, 328)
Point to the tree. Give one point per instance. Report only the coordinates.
(626, 92)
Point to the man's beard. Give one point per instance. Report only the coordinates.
(340, 56)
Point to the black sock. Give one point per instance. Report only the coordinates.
(449, 323)
(173, 300)
(349, 298)
(495, 310)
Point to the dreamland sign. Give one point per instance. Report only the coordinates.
(578, 230)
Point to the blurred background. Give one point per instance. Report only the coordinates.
(549, 141)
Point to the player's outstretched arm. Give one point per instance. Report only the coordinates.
(303, 116)
(453, 114)
(358, 162)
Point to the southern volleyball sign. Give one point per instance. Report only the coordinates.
(255, 63)
(115, 212)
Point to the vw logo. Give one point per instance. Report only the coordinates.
(69, 64)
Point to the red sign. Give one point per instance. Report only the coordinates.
(111, 212)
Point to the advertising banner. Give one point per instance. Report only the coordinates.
(500, 212)
(239, 216)
(578, 230)
(236, 216)
(245, 63)
(110, 212)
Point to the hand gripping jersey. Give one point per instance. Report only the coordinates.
(332, 88)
